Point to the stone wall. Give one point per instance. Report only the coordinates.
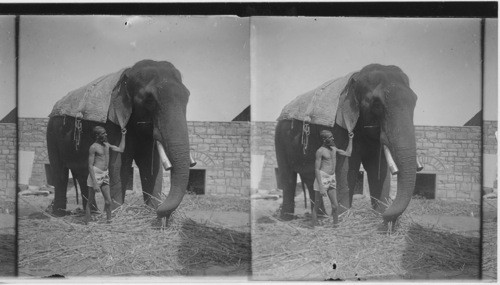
(452, 153)
(489, 139)
(8, 162)
(222, 149)
(490, 158)
(32, 137)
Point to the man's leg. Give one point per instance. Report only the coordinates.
(332, 194)
(317, 197)
(91, 201)
(107, 200)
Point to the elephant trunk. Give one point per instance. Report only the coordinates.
(174, 136)
(402, 145)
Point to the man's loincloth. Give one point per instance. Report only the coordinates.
(102, 177)
(327, 181)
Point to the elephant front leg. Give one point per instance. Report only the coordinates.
(352, 175)
(151, 178)
(115, 183)
(379, 181)
(344, 196)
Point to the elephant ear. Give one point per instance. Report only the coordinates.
(120, 107)
(348, 110)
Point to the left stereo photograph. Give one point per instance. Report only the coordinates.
(134, 139)
(8, 148)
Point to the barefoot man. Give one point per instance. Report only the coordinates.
(98, 180)
(326, 159)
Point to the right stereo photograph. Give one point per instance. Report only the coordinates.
(374, 148)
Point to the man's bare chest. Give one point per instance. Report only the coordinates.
(101, 150)
(329, 153)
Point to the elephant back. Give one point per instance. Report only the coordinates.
(318, 106)
(93, 101)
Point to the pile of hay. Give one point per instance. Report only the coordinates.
(129, 245)
(357, 250)
(7, 253)
(489, 236)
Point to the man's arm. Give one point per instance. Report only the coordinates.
(317, 167)
(121, 147)
(348, 151)
(91, 166)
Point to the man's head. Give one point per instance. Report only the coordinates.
(100, 134)
(327, 138)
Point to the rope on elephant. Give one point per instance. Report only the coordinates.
(306, 131)
(78, 132)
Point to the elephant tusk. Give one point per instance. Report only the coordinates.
(192, 162)
(163, 156)
(419, 165)
(392, 165)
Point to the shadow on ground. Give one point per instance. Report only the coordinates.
(210, 251)
(434, 254)
(7, 255)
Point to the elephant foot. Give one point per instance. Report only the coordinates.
(61, 213)
(287, 216)
(160, 223)
(387, 227)
(335, 217)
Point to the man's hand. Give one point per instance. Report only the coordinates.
(322, 191)
(96, 187)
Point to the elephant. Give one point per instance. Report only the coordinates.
(154, 94)
(383, 103)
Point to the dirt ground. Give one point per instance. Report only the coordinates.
(196, 255)
(424, 246)
(7, 245)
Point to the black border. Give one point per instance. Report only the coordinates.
(487, 9)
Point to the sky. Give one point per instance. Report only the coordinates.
(7, 65)
(228, 62)
(291, 56)
(62, 53)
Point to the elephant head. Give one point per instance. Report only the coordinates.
(379, 103)
(153, 92)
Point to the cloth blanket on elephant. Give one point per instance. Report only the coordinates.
(320, 105)
(97, 101)
(102, 177)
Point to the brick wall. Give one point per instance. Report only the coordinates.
(8, 160)
(222, 149)
(32, 137)
(490, 158)
(452, 153)
(489, 139)
(263, 145)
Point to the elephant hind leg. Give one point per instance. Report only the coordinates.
(60, 180)
(288, 180)
(81, 177)
(309, 181)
